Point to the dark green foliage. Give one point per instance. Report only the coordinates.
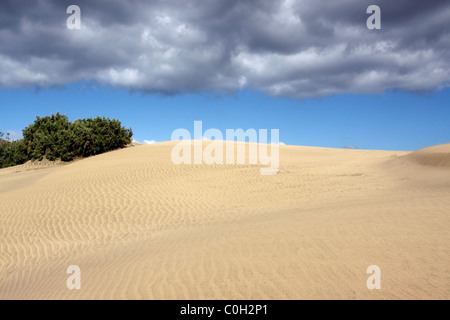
(47, 137)
(55, 137)
(12, 153)
(94, 136)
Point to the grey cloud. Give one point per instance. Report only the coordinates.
(304, 48)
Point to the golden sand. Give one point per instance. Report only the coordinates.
(141, 227)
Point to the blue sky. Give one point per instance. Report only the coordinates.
(394, 120)
(316, 70)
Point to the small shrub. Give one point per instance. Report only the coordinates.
(55, 137)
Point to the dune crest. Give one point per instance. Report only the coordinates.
(436, 156)
(425, 167)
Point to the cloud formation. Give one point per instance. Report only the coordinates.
(144, 141)
(303, 48)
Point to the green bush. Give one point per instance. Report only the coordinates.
(47, 136)
(12, 153)
(55, 137)
(94, 136)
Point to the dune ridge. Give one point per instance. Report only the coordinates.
(437, 156)
(141, 227)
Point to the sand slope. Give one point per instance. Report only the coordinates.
(436, 156)
(141, 227)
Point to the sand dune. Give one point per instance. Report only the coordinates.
(141, 227)
(437, 156)
(24, 175)
(426, 167)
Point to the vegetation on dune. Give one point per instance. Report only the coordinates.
(12, 152)
(55, 137)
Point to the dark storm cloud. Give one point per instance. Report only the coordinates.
(304, 48)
